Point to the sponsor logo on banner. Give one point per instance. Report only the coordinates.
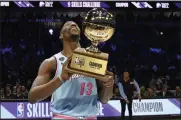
(20, 109)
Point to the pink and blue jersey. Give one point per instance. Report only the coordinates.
(76, 98)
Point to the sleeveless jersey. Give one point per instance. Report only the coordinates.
(77, 96)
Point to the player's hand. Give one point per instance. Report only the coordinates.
(108, 80)
(65, 75)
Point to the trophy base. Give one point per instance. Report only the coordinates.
(93, 49)
(89, 64)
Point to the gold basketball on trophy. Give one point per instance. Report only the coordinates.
(98, 26)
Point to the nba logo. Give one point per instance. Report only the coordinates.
(20, 110)
(76, 60)
(80, 61)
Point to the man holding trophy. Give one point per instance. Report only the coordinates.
(80, 75)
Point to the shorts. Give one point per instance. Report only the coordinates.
(64, 117)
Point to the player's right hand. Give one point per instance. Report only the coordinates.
(65, 75)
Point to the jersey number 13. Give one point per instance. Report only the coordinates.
(86, 88)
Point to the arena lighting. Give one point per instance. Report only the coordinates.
(161, 33)
(51, 31)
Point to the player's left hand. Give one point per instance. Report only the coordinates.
(108, 80)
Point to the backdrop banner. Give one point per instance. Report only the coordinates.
(147, 107)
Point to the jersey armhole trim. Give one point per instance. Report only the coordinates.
(57, 68)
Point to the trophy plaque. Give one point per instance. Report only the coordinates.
(98, 26)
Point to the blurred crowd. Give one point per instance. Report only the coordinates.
(147, 43)
(14, 92)
(151, 93)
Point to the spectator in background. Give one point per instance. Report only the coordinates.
(153, 82)
(159, 88)
(24, 92)
(167, 80)
(142, 89)
(2, 93)
(164, 92)
(8, 92)
(18, 84)
(177, 92)
(28, 84)
(19, 94)
(14, 92)
(150, 93)
(127, 85)
(155, 91)
(159, 82)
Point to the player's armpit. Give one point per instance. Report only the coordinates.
(43, 87)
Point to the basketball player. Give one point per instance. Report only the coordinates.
(74, 96)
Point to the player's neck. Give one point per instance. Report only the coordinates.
(68, 48)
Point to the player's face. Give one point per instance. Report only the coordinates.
(126, 76)
(71, 31)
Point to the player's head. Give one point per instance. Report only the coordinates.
(70, 32)
(126, 76)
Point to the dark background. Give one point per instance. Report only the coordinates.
(147, 42)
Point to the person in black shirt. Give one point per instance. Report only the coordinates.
(126, 89)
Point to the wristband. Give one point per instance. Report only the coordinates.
(60, 78)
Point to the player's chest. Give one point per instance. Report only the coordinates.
(83, 85)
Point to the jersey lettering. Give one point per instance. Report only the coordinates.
(74, 76)
(89, 87)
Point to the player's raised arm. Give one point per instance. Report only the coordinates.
(43, 86)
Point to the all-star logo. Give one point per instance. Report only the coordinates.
(62, 59)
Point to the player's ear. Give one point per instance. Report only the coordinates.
(61, 36)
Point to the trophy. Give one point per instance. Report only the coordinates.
(98, 26)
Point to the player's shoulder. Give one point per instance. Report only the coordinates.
(53, 58)
(58, 55)
(49, 63)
